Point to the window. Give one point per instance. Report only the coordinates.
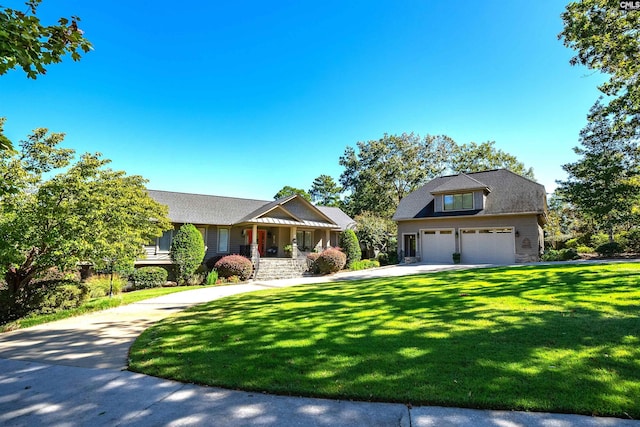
(457, 202)
(164, 242)
(304, 240)
(223, 240)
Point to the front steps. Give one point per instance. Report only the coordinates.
(280, 268)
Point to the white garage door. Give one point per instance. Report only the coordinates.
(487, 246)
(438, 246)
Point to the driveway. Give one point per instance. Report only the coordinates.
(73, 373)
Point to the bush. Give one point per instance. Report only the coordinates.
(350, 246)
(585, 250)
(187, 252)
(572, 243)
(312, 265)
(234, 265)
(633, 240)
(551, 255)
(100, 284)
(561, 255)
(212, 278)
(364, 264)
(149, 277)
(383, 258)
(599, 239)
(210, 263)
(63, 296)
(331, 261)
(42, 297)
(609, 249)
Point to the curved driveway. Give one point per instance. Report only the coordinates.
(73, 373)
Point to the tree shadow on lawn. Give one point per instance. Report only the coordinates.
(557, 339)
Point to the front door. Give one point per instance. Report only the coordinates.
(262, 240)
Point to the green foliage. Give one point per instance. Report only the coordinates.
(350, 246)
(383, 258)
(331, 261)
(234, 265)
(610, 249)
(187, 251)
(375, 233)
(606, 38)
(26, 43)
(633, 240)
(44, 298)
(100, 285)
(584, 249)
(212, 278)
(599, 239)
(55, 212)
(149, 277)
(472, 157)
(325, 192)
(287, 191)
(566, 254)
(364, 264)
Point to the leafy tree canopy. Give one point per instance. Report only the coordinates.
(26, 43)
(325, 192)
(607, 38)
(374, 232)
(474, 157)
(287, 191)
(55, 212)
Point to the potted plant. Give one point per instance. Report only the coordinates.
(456, 257)
(288, 249)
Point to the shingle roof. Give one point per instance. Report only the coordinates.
(219, 210)
(460, 183)
(510, 193)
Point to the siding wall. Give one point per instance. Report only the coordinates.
(527, 243)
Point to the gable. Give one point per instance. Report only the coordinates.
(304, 211)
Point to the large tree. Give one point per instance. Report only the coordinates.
(381, 172)
(604, 184)
(325, 192)
(474, 157)
(606, 37)
(375, 233)
(56, 212)
(287, 191)
(27, 43)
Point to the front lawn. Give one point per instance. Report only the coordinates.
(562, 338)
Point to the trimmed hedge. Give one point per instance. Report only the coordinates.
(187, 252)
(609, 249)
(331, 261)
(350, 246)
(149, 277)
(234, 265)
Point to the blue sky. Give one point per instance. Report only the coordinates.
(240, 98)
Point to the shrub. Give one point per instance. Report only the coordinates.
(149, 277)
(212, 278)
(331, 261)
(196, 279)
(187, 252)
(561, 255)
(585, 250)
(572, 243)
(633, 240)
(42, 297)
(364, 264)
(100, 284)
(551, 255)
(599, 239)
(312, 265)
(211, 262)
(609, 249)
(383, 258)
(234, 265)
(350, 246)
(63, 296)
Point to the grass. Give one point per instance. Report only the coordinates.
(562, 338)
(92, 305)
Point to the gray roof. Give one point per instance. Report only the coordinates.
(510, 193)
(220, 210)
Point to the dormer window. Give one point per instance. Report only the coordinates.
(458, 202)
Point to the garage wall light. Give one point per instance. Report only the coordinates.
(517, 233)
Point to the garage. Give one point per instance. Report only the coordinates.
(438, 246)
(487, 246)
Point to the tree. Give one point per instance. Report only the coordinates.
(287, 191)
(187, 251)
(26, 43)
(325, 192)
(350, 246)
(375, 233)
(383, 171)
(604, 185)
(607, 38)
(56, 213)
(472, 157)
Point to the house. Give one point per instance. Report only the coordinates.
(289, 227)
(493, 217)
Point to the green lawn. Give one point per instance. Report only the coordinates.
(95, 304)
(563, 338)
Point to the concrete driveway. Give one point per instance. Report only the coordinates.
(73, 373)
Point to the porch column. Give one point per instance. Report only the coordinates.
(254, 242)
(327, 238)
(294, 243)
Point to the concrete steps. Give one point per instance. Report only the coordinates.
(280, 268)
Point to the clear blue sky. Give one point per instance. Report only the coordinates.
(240, 98)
